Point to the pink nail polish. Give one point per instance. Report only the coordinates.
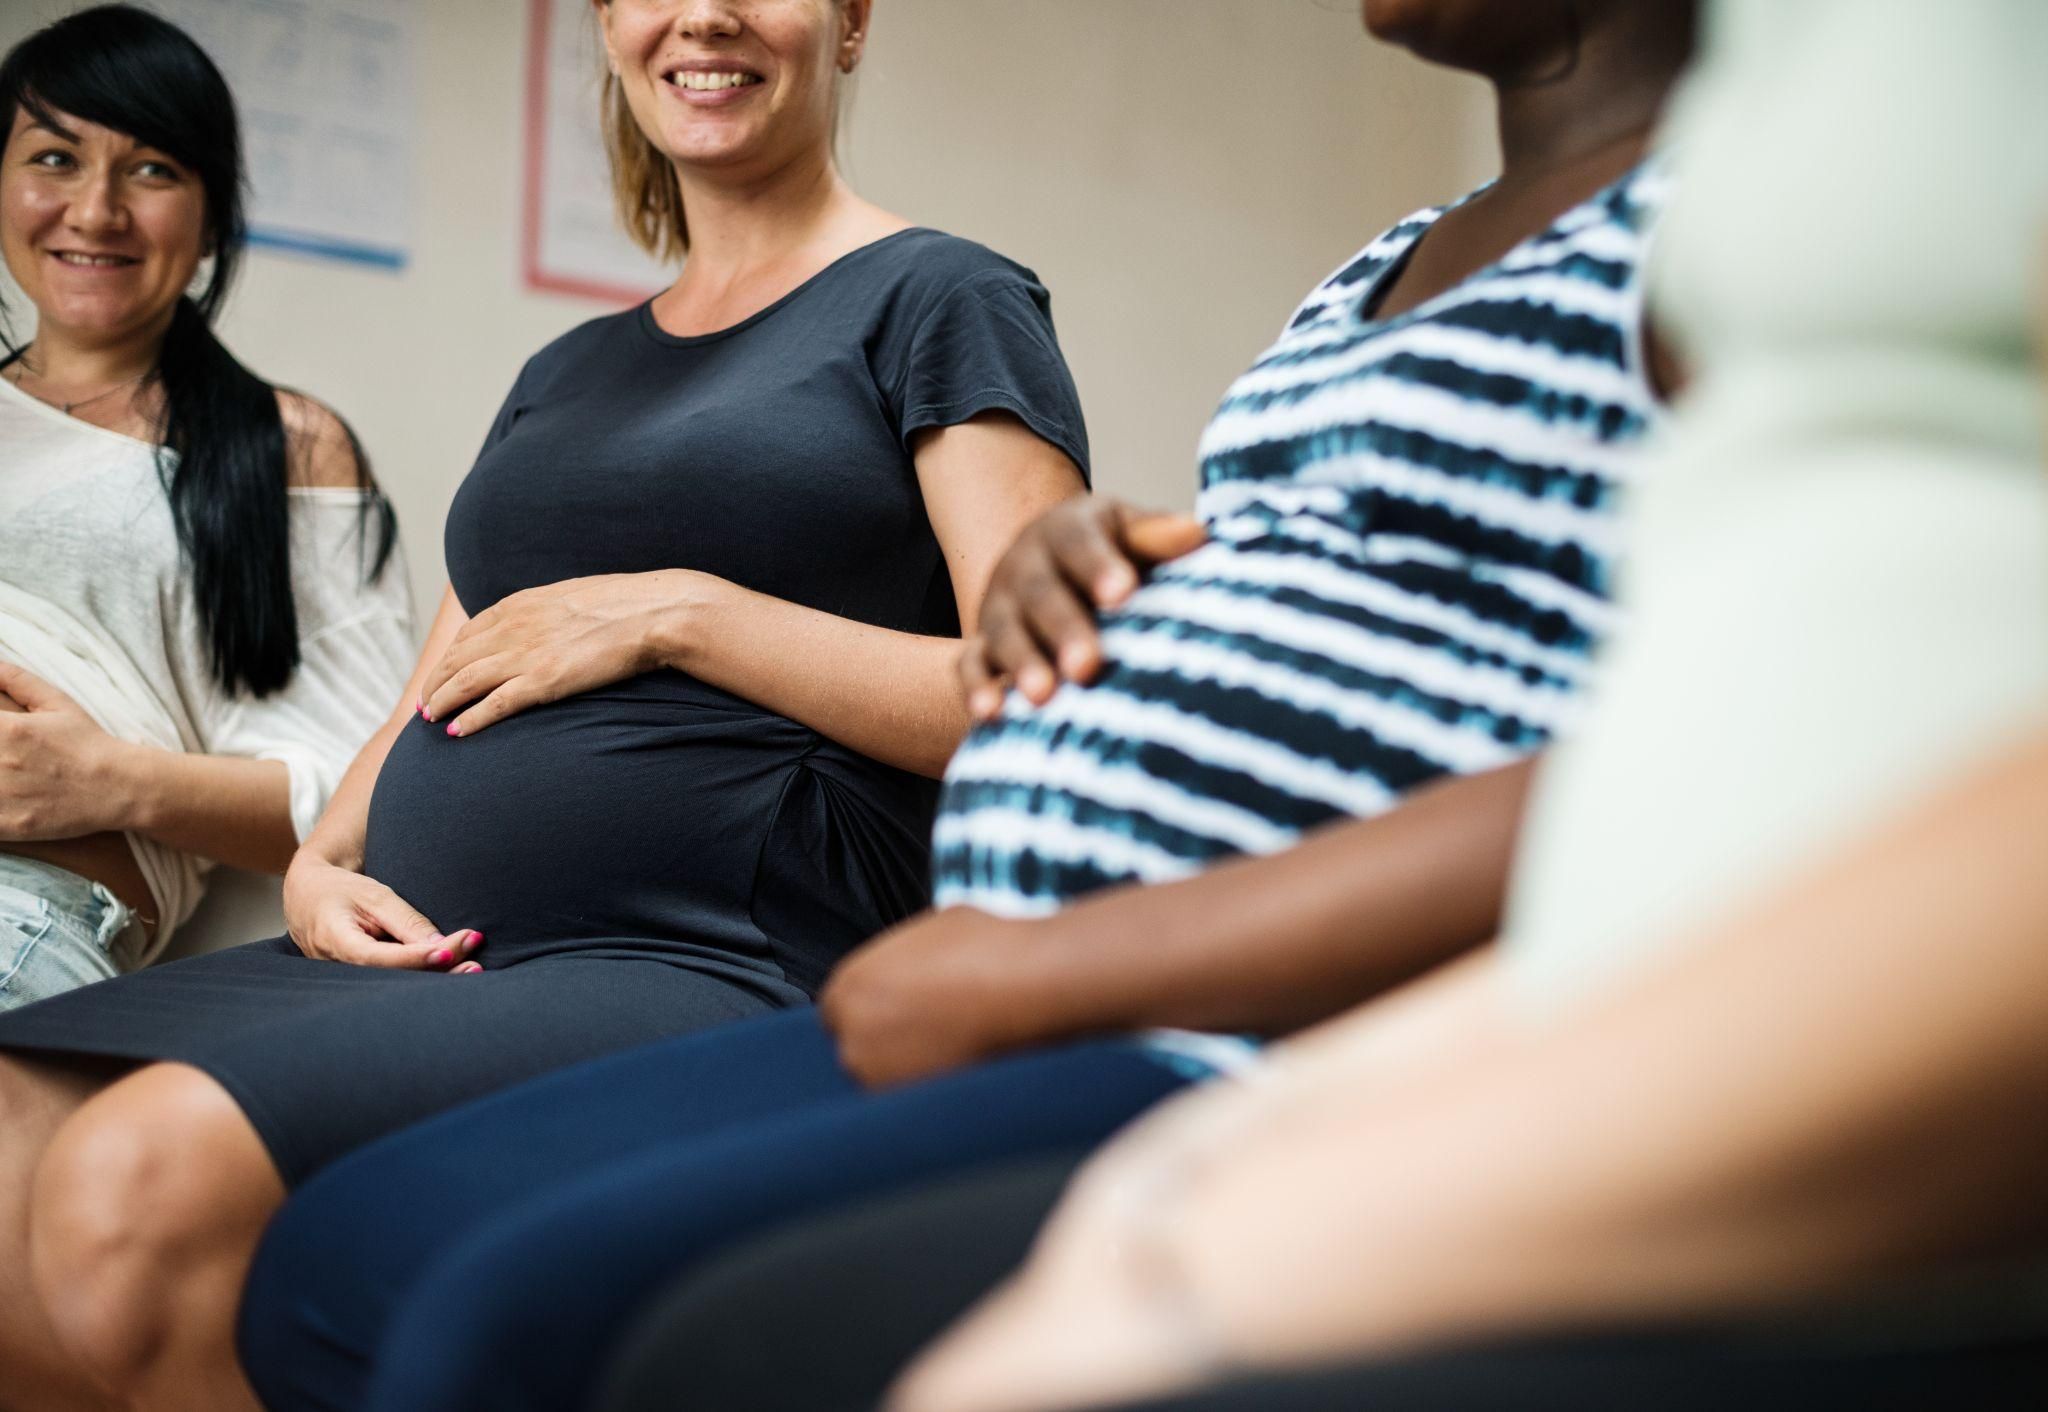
(454, 729)
(441, 957)
(476, 939)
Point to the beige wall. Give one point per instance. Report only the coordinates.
(1178, 171)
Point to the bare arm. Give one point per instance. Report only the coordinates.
(1838, 1085)
(338, 837)
(1255, 944)
(890, 695)
(983, 481)
(331, 909)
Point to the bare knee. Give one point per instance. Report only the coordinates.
(145, 1204)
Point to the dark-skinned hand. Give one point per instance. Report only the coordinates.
(1038, 621)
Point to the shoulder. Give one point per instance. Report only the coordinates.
(320, 451)
(925, 267)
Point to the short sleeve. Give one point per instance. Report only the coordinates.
(356, 651)
(988, 345)
(510, 411)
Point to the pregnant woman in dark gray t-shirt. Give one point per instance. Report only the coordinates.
(725, 852)
(682, 710)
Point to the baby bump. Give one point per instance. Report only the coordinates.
(635, 817)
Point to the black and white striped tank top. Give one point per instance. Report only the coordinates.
(1412, 531)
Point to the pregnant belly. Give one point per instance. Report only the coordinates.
(632, 816)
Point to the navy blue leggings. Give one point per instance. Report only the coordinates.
(488, 1259)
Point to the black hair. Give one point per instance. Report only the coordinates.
(223, 457)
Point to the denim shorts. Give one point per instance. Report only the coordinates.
(58, 931)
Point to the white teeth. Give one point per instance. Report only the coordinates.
(96, 261)
(708, 82)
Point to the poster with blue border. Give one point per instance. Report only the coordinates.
(326, 93)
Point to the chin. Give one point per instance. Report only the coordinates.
(712, 151)
(92, 319)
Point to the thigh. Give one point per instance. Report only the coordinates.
(352, 1240)
(544, 1289)
(820, 1316)
(47, 946)
(322, 1081)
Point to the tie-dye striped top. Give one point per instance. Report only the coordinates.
(1412, 531)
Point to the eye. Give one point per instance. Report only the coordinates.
(156, 169)
(54, 159)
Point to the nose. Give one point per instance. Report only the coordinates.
(706, 19)
(97, 206)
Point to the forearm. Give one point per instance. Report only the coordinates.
(1274, 943)
(893, 696)
(1836, 1086)
(229, 809)
(338, 837)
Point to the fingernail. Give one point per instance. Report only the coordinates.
(472, 969)
(441, 957)
(453, 729)
(426, 715)
(476, 939)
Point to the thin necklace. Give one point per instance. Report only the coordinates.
(67, 408)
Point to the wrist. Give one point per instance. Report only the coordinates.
(691, 602)
(133, 779)
(330, 853)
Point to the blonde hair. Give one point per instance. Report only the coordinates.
(645, 191)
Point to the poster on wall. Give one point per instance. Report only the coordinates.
(325, 89)
(571, 242)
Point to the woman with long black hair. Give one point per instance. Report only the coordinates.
(200, 619)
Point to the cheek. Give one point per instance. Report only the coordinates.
(25, 211)
(177, 232)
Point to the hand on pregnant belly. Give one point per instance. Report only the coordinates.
(1037, 624)
(334, 914)
(560, 639)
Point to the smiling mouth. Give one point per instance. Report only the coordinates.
(699, 82)
(84, 261)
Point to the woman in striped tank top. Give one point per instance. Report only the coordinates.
(1406, 539)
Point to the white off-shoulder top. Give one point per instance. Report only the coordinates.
(95, 598)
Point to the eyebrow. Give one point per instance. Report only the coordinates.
(46, 121)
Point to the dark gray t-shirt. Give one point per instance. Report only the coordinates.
(660, 816)
(774, 453)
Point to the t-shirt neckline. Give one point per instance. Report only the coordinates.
(653, 329)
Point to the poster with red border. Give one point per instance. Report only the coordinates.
(570, 240)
